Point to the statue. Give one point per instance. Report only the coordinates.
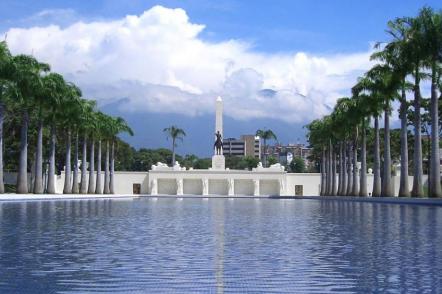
(218, 143)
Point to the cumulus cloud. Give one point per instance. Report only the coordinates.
(158, 62)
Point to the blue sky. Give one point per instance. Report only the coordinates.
(307, 52)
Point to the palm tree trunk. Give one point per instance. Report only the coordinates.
(91, 188)
(327, 173)
(340, 170)
(355, 191)
(2, 116)
(83, 186)
(434, 188)
(349, 171)
(112, 170)
(377, 161)
(418, 189)
(75, 187)
(323, 184)
(106, 170)
(51, 172)
(38, 182)
(363, 176)
(67, 169)
(173, 152)
(98, 187)
(22, 177)
(404, 190)
(31, 184)
(344, 170)
(387, 187)
(265, 154)
(334, 183)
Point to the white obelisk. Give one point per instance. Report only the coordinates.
(219, 116)
(218, 161)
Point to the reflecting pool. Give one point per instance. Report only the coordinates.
(219, 246)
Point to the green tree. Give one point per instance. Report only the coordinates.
(297, 165)
(272, 160)
(176, 134)
(265, 135)
(27, 78)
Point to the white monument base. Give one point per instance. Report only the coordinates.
(218, 162)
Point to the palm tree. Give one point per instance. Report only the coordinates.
(397, 55)
(7, 90)
(317, 136)
(82, 109)
(87, 126)
(265, 135)
(175, 133)
(71, 107)
(374, 105)
(108, 125)
(386, 83)
(27, 77)
(55, 87)
(119, 126)
(91, 186)
(415, 47)
(431, 23)
(100, 135)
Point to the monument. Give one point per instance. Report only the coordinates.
(218, 160)
(217, 180)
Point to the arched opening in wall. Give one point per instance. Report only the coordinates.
(218, 187)
(167, 186)
(269, 187)
(192, 187)
(244, 187)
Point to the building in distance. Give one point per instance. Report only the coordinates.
(246, 145)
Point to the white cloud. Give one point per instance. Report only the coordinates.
(158, 62)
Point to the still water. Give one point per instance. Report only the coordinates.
(219, 246)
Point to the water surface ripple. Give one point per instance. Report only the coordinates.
(219, 246)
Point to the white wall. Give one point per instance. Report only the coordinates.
(218, 187)
(243, 181)
(244, 187)
(268, 187)
(192, 187)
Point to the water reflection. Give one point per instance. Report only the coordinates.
(219, 245)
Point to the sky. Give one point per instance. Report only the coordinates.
(276, 64)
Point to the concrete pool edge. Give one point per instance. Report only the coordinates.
(61, 197)
(46, 197)
(386, 200)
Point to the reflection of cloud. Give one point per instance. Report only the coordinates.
(158, 61)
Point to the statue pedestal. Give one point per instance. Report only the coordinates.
(218, 162)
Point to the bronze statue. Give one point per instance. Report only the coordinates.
(218, 143)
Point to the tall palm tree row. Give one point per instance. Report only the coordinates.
(412, 56)
(46, 102)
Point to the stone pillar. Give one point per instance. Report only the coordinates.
(179, 186)
(231, 184)
(154, 187)
(205, 186)
(256, 188)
